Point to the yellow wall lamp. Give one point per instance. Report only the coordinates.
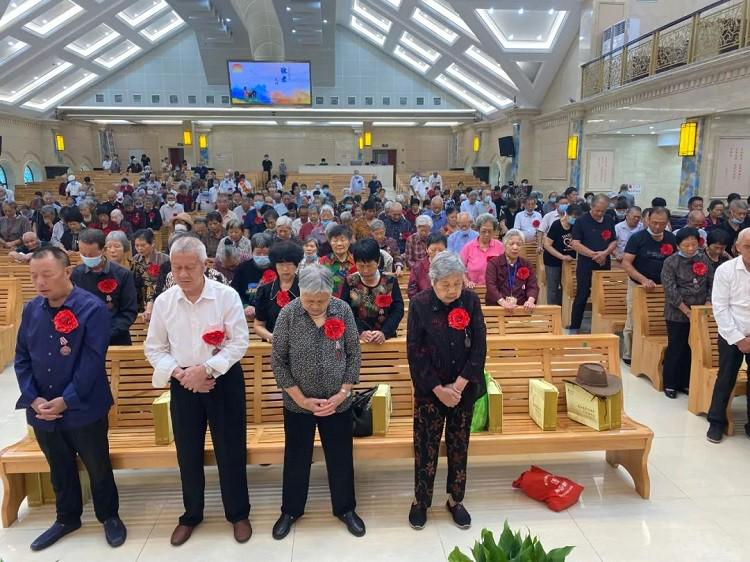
(688, 139)
(202, 142)
(573, 147)
(59, 143)
(476, 144)
(187, 138)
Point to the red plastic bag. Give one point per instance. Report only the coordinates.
(557, 492)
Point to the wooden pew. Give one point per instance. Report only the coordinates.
(511, 360)
(704, 367)
(569, 283)
(649, 334)
(608, 304)
(21, 272)
(10, 317)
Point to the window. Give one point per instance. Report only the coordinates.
(437, 101)
(387, 100)
(155, 98)
(118, 98)
(99, 98)
(210, 100)
(403, 100)
(3, 177)
(137, 98)
(192, 100)
(334, 100)
(28, 175)
(420, 101)
(368, 100)
(174, 99)
(319, 100)
(225, 100)
(351, 100)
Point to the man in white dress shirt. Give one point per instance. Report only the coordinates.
(730, 298)
(529, 220)
(171, 209)
(436, 181)
(632, 224)
(227, 185)
(356, 184)
(196, 338)
(472, 206)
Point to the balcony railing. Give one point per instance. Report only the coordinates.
(711, 31)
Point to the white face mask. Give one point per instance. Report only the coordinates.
(180, 228)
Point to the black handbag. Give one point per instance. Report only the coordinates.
(362, 412)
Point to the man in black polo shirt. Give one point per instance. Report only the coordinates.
(594, 240)
(643, 259)
(110, 282)
(267, 167)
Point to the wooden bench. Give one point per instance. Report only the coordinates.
(511, 360)
(21, 272)
(704, 367)
(608, 301)
(649, 334)
(10, 317)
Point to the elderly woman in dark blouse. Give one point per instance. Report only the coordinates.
(316, 359)
(446, 347)
(374, 297)
(419, 277)
(272, 297)
(687, 277)
(511, 281)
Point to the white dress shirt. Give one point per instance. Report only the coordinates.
(474, 209)
(623, 233)
(525, 223)
(168, 212)
(730, 298)
(436, 181)
(175, 333)
(226, 186)
(356, 184)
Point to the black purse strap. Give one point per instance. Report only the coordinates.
(362, 398)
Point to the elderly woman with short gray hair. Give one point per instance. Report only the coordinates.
(316, 360)
(446, 345)
(416, 245)
(478, 252)
(117, 247)
(233, 250)
(511, 280)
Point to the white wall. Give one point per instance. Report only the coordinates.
(716, 127)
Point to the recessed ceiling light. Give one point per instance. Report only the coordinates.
(619, 132)
(371, 16)
(11, 43)
(393, 123)
(510, 37)
(551, 11)
(538, 37)
(520, 11)
(651, 127)
(294, 31)
(325, 21)
(288, 8)
(438, 29)
(228, 20)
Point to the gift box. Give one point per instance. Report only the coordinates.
(495, 395)
(163, 434)
(596, 412)
(543, 403)
(382, 407)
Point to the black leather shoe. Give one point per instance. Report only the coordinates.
(354, 524)
(461, 517)
(626, 360)
(53, 534)
(670, 393)
(747, 429)
(115, 531)
(283, 526)
(715, 433)
(417, 517)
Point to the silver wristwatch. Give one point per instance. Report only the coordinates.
(209, 371)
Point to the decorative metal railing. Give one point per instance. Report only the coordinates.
(711, 31)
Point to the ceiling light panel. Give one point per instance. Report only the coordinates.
(442, 123)
(161, 122)
(235, 122)
(16, 9)
(406, 56)
(93, 41)
(10, 47)
(111, 121)
(32, 79)
(54, 18)
(465, 95)
(118, 54)
(435, 27)
(142, 11)
(61, 90)
(366, 13)
(479, 56)
(394, 123)
(344, 123)
(523, 29)
(366, 31)
(162, 27)
(448, 13)
(480, 87)
(298, 123)
(408, 40)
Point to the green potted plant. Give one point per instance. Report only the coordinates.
(510, 548)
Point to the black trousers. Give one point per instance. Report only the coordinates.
(676, 369)
(122, 338)
(91, 444)
(730, 360)
(336, 437)
(430, 416)
(223, 410)
(583, 291)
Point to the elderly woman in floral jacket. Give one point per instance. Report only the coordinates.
(511, 281)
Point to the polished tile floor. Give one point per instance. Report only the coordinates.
(698, 510)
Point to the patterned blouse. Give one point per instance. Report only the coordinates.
(267, 299)
(146, 276)
(370, 312)
(683, 283)
(340, 270)
(303, 356)
(416, 250)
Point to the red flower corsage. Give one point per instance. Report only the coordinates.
(65, 321)
(153, 270)
(107, 286)
(214, 338)
(383, 301)
(701, 242)
(666, 250)
(523, 273)
(352, 269)
(282, 298)
(334, 328)
(269, 276)
(536, 223)
(458, 319)
(606, 235)
(700, 269)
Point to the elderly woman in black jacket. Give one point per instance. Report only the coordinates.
(446, 347)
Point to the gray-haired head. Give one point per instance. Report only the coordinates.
(188, 245)
(48, 210)
(121, 237)
(234, 223)
(315, 278)
(284, 221)
(445, 264)
(738, 205)
(346, 217)
(513, 233)
(423, 220)
(376, 224)
(485, 218)
(261, 240)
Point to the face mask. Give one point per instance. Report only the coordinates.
(571, 221)
(684, 255)
(529, 213)
(348, 207)
(552, 199)
(139, 205)
(311, 257)
(262, 261)
(180, 228)
(488, 199)
(651, 232)
(736, 221)
(619, 215)
(171, 203)
(258, 204)
(563, 208)
(325, 223)
(589, 199)
(325, 190)
(91, 262)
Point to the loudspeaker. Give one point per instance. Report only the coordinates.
(507, 148)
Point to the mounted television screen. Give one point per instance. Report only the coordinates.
(254, 83)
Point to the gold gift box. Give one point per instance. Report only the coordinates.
(543, 403)
(382, 407)
(495, 409)
(593, 411)
(163, 434)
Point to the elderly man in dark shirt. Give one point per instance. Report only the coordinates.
(62, 344)
(112, 283)
(396, 226)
